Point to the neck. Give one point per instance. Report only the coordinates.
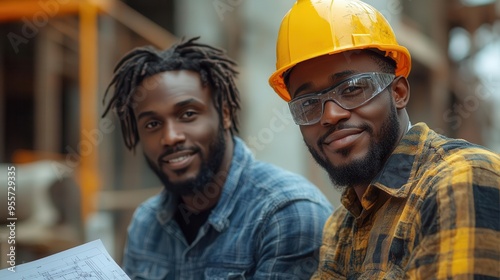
(360, 191)
(203, 200)
(404, 126)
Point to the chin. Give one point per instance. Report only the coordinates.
(345, 157)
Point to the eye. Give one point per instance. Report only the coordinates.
(152, 124)
(352, 90)
(354, 87)
(310, 102)
(188, 115)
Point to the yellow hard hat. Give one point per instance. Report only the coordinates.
(313, 28)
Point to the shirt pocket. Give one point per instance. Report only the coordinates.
(224, 273)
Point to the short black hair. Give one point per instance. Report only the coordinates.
(216, 70)
(385, 63)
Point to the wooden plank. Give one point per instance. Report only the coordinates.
(36, 12)
(136, 22)
(88, 176)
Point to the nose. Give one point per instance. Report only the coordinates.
(333, 113)
(172, 134)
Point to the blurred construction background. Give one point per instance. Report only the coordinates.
(77, 182)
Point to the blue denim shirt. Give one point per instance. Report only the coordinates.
(267, 224)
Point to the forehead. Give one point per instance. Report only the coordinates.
(172, 81)
(171, 85)
(324, 71)
(171, 90)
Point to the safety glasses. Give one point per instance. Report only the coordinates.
(348, 94)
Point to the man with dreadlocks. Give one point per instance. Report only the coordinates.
(222, 213)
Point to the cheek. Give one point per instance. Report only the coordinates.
(374, 115)
(206, 128)
(205, 133)
(150, 145)
(310, 135)
(202, 136)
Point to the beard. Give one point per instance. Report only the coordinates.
(362, 171)
(209, 167)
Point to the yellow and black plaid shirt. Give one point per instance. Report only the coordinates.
(433, 212)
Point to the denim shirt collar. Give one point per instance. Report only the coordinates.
(219, 218)
(242, 156)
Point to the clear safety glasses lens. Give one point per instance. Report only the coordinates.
(348, 94)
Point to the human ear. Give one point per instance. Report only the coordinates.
(400, 92)
(226, 116)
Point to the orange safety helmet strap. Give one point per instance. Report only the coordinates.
(314, 28)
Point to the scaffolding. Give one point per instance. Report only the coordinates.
(87, 13)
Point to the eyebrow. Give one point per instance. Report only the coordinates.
(185, 102)
(334, 77)
(145, 114)
(176, 106)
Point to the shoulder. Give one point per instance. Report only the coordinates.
(448, 157)
(459, 179)
(146, 212)
(457, 169)
(453, 151)
(280, 186)
(271, 194)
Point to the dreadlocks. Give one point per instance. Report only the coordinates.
(214, 67)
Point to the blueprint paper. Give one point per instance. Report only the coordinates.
(87, 262)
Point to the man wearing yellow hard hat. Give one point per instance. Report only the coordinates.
(415, 204)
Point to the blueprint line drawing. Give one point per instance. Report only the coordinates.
(89, 261)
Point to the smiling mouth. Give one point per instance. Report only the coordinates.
(343, 138)
(177, 156)
(341, 134)
(179, 159)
